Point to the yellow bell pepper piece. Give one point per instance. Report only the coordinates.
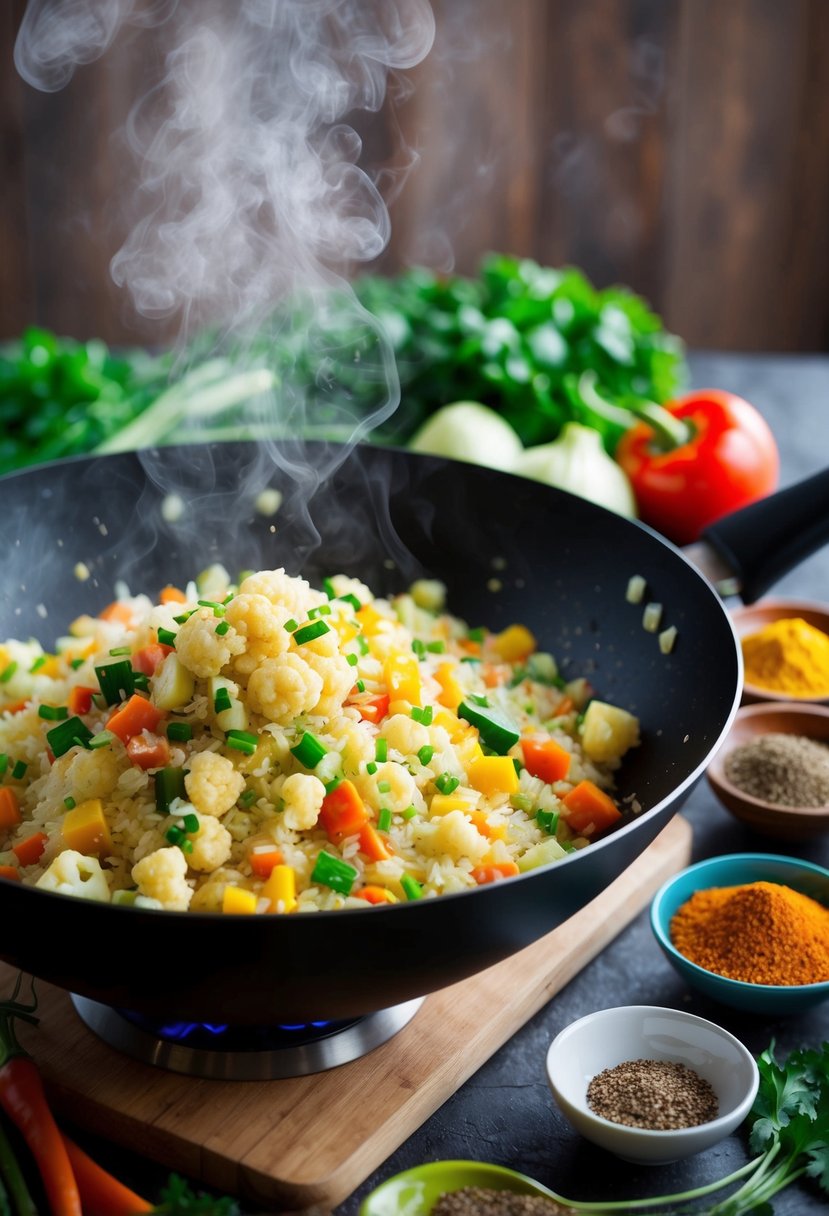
(85, 829)
(493, 775)
(370, 620)
(402, 677)
(280, 889)
(513, 643)
(451, 693)
(236, 900)
(442, 804)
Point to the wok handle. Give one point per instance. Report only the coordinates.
(764, 541)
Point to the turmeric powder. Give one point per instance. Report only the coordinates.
(788, 656)
(760, 933)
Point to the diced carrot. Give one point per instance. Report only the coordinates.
(132, 717)
(565, 706)
(29, 850)
(10, 872)
(375, 709)
(495, 674)
(494, 872)
(471, 648)
(171, 595)
(148, 750)
(80, 699)
(117, 611)
(496, 831)
(16, 706)
(372, 844)
(9, 808)
(148, 658)
(545, 758)
(343, 812)
(375, 895)
(262, 861)
(589, 809)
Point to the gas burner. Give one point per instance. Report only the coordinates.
(243, 1053)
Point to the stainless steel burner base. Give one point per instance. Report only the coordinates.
(332, 1048)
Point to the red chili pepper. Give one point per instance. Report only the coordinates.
(23, 1100)
(717, 455)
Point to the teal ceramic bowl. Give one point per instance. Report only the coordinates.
(416, 1191)
(729, 871)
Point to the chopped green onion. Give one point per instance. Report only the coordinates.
(248, 798)
(328, 588)
(308, 633)
(179, 732)
(291, 625)
(242, 741)
(19, 769)
(230, 596)
(410, 812)
(476, 635)
(76, 663)
(360, 686)
(436, 647)
(483, 701)
(118, 650)
(175, 834)
(495, 730)
(425, 754)
(331, 871)
(471, 658)
(411, 888)
(53, 713)
(362, 642)
(419, 648)
(221, 701)
(309, 751)
(39, 662)
(330, 786)
(191, 823)
(71, 732)
(4, 763)
(169, 785)
(320, 610)
(521, 802)
(548, 820)
(424, 715)
(186, 845)
(384, 787)
(446, 783)
(222, 628)
(102, 739)
(352, 660)
(371, 767)
(352, 600)
(141, 680)
(381, 750)
(518, 766)
(218, 609)
(384, 819)
(184, 616)
(166, 637)
(114, 679)
(7, 672)
(70, 803)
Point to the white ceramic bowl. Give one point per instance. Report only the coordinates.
(646, 1032)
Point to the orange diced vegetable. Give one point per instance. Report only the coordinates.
(148, 750)
(494, 871)
(80, 699)
(451, 693)
(565, 706)
(10, 872)
(495, 674)
(496, 831)
(589, 809)
(9, 808)
(263, 859)
(280, 889)
(402, 675)
(171, 595)
(238, 901)
(85, 828)
(343, 812)
(372, 844)
(375, 709)
(442, 804)
(29, 850)
(118, 612)
(16, 706)
(545, 759)
(132, 717)
(514, 643)
(148, 658)
(375, 895)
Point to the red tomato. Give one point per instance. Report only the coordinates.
(730, 460)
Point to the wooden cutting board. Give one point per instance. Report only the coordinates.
(304, 1144)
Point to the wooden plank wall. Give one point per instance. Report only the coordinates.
(678, 146)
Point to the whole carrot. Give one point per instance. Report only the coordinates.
(101, 1193)
(23, 1100)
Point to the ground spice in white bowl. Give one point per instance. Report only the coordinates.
(784, 769)
(659, 1095)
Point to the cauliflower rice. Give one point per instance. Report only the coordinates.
(269, 748)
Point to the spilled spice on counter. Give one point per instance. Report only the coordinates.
(660, 1095)
(479, 1201)
(787, 770)
(759, 933)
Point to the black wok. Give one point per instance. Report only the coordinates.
(509, 550)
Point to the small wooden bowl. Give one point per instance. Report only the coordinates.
(752, 617)
(773, 717)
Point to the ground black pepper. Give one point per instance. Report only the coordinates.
(659, 1095)
(478, 1201)
(787, 770)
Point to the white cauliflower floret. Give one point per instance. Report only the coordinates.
(162, 875)
(213, 784)
(303, 795)
(343, 585)
(262, 625)
(452, 834)
(209, 896)
(211, 845)
(337, 680)
(72, 873)
(405, 735)
(93, 774)
(282, 689)
(353, 740)
(295, 594)
(402, 789)
(201, 650)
